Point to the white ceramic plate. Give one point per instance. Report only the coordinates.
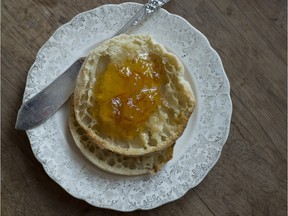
(195, 152)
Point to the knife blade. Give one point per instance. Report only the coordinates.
(43, 105)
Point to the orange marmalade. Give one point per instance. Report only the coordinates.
(126, 94)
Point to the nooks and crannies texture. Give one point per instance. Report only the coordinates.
(113, 162)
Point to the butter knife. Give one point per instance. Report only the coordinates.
(43, 105)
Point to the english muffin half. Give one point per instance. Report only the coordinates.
(131, 97)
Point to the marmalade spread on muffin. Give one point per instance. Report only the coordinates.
(126, 94)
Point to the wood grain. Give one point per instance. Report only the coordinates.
(251, 175)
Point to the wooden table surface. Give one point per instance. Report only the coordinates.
(249, 178)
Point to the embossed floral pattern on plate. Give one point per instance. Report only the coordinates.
(196, 151)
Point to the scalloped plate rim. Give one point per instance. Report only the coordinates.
(228, 93)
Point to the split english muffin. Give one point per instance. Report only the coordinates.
(131, 99)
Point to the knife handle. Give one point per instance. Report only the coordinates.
(154, 5)
(145, 10)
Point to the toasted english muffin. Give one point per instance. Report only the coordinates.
(131, 97)
(113, 162)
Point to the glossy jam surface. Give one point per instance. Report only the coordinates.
(126, 94)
